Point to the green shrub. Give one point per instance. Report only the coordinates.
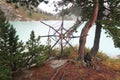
(87, 50)
(16, 6)
(54, 52)
(65, 54)
(103, 56)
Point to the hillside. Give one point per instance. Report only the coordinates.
(21, 13)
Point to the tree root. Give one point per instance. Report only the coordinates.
(57, 71)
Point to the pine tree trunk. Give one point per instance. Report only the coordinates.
(85, 30)
(95, 47)
(82, 41)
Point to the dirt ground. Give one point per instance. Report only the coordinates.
(69, 70)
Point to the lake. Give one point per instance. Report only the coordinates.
(24, 29)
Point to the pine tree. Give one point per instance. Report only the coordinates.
(4, 70)
(10, 47)
(108, 18)
(36, 53)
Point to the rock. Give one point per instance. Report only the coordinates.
(57, 63)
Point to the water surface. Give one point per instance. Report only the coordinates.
(24, 29)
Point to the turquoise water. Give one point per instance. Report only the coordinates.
(24, 29)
